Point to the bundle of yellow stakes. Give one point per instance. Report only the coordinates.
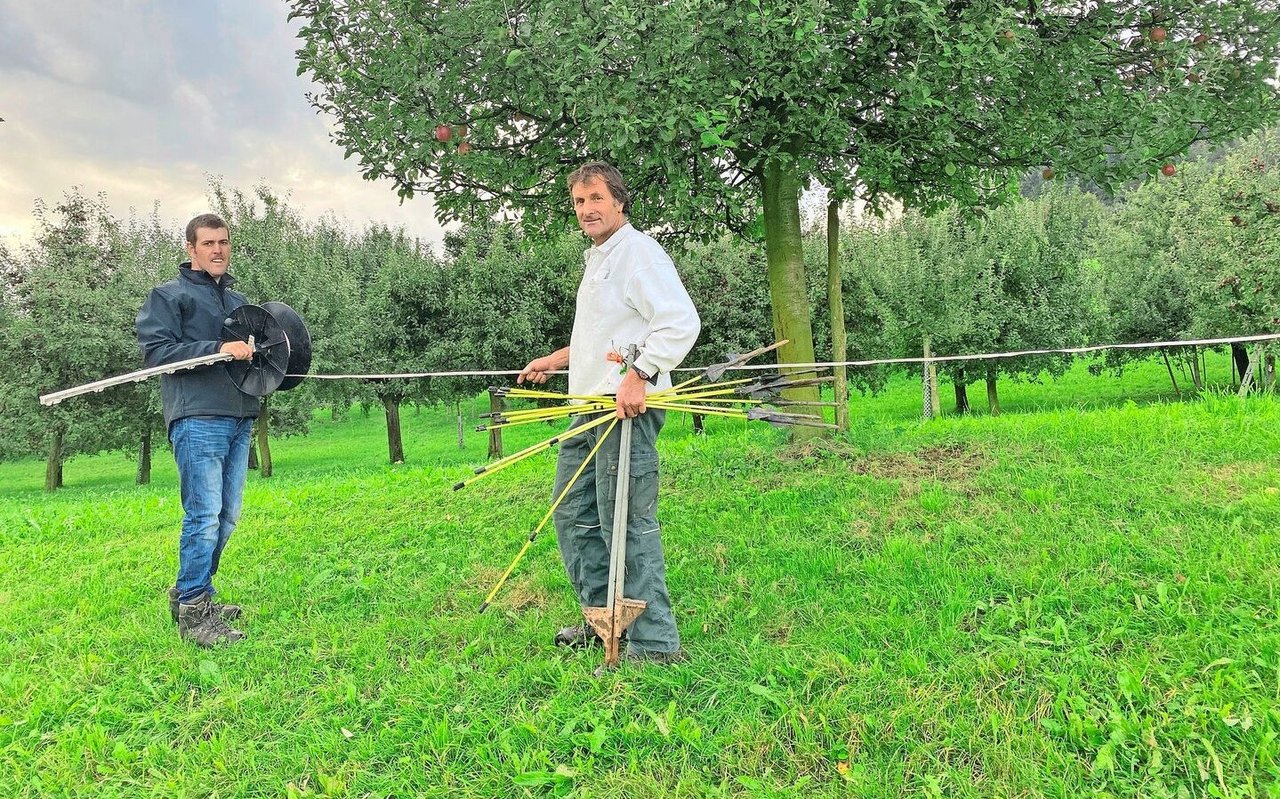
(744, 398)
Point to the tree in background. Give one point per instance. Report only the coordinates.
(1041, 294)
(70, 304)
(400, 323)
(1233, 251)
(1144, 286)
(511, 299)
(149, 251)
(719, 110)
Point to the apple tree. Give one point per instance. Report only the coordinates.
(719, 113)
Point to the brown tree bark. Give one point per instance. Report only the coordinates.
(457, 408)
(784, 251)
(495, 435)
(835, 298)
(1165, 354)
(993, 396)
(53, 466)
(1240, 357)
(962, 393)
(395, 445)
(264, 444)
(144, 459)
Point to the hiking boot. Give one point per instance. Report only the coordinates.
(578, 638)
(200, 624)
(227, 612)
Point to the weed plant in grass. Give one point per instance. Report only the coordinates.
(1076, 598)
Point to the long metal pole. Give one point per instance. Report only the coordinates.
(618, 548)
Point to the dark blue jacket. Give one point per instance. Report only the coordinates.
(183, 319)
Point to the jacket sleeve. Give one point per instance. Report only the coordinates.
(159, 326)
(659, 296)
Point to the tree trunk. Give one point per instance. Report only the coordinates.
(962, 393)
(1240, 357)
(395, 447)
(457, 408)
(1248, 379)
(1269, 372)
(699, 424)
(784, 251)
(53, 466)
(495, 434)
(264, 444)
(144, 459)
(993, 397)
(1197, 377)
(835, 298)
(929, 384)
(1165, 354)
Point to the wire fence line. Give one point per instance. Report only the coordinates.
(1206, 342)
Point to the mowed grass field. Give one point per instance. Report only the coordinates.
(1077, 598)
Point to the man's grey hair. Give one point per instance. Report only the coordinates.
(212, 221)
(612, 179)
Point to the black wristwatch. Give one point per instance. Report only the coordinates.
(643, 376)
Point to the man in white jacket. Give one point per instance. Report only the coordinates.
(630, 295)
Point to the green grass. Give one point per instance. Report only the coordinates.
(1076, 598)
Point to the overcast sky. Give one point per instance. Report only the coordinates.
(143, 100)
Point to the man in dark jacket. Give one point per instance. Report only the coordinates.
(209, 421)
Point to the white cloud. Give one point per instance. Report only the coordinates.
(143, 101)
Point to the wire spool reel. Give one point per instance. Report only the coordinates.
(282, 346)
(299, 339)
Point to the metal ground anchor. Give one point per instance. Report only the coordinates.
(612, 620)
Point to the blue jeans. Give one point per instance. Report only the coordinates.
(584, 528)
(213, 459)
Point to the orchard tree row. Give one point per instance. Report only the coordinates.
(1192, 254)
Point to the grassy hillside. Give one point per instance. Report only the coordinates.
(1078, 597)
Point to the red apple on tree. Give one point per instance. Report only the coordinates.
(1048, 173)
(1158, 34)
(1168, 170)
(443, 132)
(464, 148)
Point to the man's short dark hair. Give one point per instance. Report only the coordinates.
(212, 221)
(612, 179)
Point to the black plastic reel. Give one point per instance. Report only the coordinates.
(295, 331)
(273, 349)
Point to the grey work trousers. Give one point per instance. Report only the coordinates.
(584, 528)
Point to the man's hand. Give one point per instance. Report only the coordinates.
(631, 396)
(239, 350)
(538, 369)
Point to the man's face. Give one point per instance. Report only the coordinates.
(599, 215)
(211, 251)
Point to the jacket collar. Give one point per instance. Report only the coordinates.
(202, 278)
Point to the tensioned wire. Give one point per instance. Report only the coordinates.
(1206, 342)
